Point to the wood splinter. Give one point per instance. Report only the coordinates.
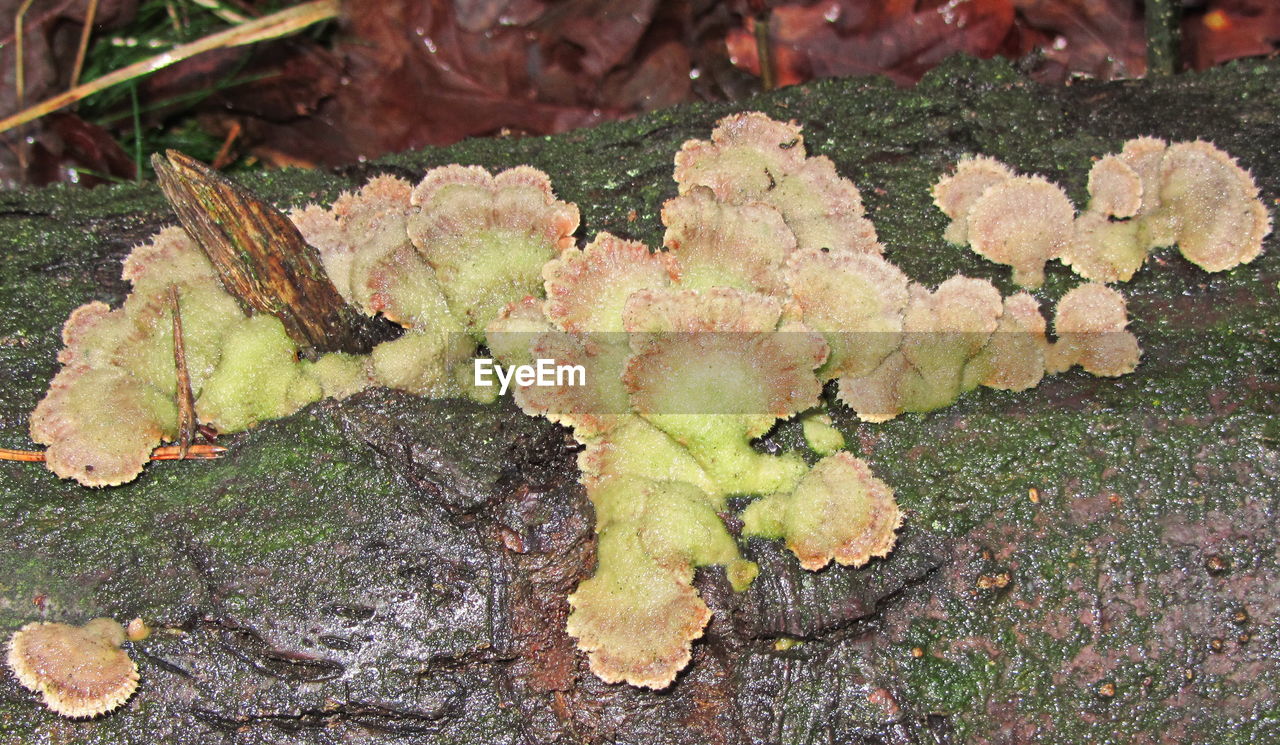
(261, 258)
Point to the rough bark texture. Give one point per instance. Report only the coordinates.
(388, 569)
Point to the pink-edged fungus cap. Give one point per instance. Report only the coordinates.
(1221, 221)
(752, 158)
(587, 289)
(855, 300)
(1022, 222)
(635, 618)
(1090, 323)
(1115, 189)
(718, 244)
(839, 511)
(955, 194)
(79, 671)
(488, 236)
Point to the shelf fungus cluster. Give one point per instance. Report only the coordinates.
(1149, 195)
(79, 671)
(114, 400)
(771, 283)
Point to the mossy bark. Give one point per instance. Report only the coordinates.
(1093, 560)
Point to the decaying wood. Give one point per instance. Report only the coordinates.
(262, 259)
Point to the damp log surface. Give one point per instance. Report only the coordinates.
(393, 570)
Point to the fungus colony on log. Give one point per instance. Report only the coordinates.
(770, 283)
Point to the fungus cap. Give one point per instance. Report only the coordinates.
(1221, 222)
(588, 395)
(1105, 250)
(855, 300)
(635, 619)
(587, 289)
(80, 671)
(1115, 189)
(1022, 222)
(752, 158)
(487, 236)
(1014, 357)
(1143, 155)
(1090, 323)
(956, 193)
(718, 244)
(511, 333)
(839, 511)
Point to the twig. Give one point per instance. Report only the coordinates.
(1162, 36)
(223, 158)
(764, 50)
(19, 47)
(137, 132)
(226, 14)
(186, 402)
(90, 15)
(268, 27)
(167, 452)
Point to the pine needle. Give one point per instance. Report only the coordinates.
(90, 15)
(268, 27)
(166, 452)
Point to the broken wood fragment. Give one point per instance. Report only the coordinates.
(261, 258)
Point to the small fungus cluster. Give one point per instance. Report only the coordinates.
(770, 283)
(114, 400)
(1149, 195)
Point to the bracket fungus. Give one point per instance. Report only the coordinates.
(770, 283)
(1090, 324)
(815, 518)
(79, 671)
(754, 159)
(1149, 195)
(1021, 221)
